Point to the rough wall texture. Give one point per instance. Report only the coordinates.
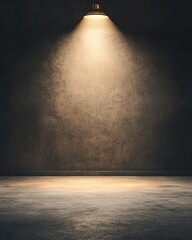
(96, 99)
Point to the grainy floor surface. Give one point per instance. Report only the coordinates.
(87, 208)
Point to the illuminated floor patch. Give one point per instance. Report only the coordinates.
(95, 208)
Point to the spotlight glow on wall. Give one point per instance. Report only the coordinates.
(95, 86)
(96, 13)
(104, 89)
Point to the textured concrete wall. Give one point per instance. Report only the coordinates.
(102, 100)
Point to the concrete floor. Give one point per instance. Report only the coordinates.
(112, 208)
